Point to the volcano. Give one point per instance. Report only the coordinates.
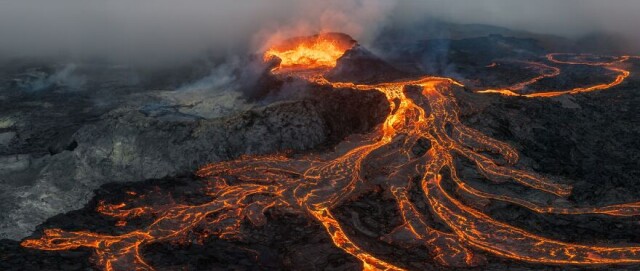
(415, 183)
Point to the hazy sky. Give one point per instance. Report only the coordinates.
(562, 17)
(169, 30)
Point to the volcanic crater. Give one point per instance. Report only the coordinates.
(498, 165)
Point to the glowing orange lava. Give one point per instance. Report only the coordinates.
(514, 90)
(313, 185)
(316, 52)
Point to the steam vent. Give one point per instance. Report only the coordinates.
(426, 145)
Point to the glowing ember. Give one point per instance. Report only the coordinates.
(315, 184)
(315, 52)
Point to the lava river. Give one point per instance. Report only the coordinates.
(314, 184)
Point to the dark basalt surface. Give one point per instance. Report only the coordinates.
(359, 65)
(49, 166)
(588, 140)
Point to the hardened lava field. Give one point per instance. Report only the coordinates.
(447, 218)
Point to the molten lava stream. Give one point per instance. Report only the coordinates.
(514, 90)
(313, 185)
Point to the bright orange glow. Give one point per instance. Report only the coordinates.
(315, 52)
(315, 184)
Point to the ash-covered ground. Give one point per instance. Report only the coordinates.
(75, 134)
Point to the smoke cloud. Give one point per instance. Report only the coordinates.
(166, 31)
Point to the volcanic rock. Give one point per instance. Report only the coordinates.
(130, 144)
(589, 141)
(361, 66)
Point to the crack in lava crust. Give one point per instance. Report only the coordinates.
(315, 184)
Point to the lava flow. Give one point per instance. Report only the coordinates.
(313, 185)
(622, 74)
